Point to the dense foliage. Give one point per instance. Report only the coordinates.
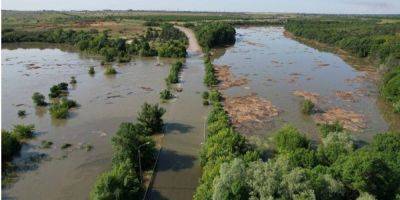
(365, 38)
(209, 79)
(169, 43)
(173, 76)
(123, 181)
(39, 99)
(215, 34)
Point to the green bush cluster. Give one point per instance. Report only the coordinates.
(307, 107)
(60, 110)
(39, 99)
(165, 94)
(123, 181)
(11, 141)
(91, 71)
(215, 34)
(334, 169)
(110, 71)
(21, 113)
(57, 90)
(173, 76)
(222, 145)
(209, 78)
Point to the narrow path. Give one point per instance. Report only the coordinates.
(178, 169)
(194, 47)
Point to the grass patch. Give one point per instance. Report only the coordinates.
(307, 107)
(110, 71)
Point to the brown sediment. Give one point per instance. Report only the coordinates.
(250, 111)
(226, 78)
(313, 97)
(345, 96)
(348, 119)
(147, 89)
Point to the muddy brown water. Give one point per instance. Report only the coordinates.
(105, 102)
(263, 55)
(276, 66)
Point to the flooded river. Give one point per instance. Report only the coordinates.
(276, 66)
(105, 102)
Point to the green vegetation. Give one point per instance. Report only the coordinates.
(150, 117)
(73, 80)
(110, 71)
(396, 107)
(23, 131)
(39, 99)
(209, 79)
(21, 113)
(307, 107)
(58, 90)
(10, 146)
(60, 110)
(173, 76)
(370, 38)
(215, 34)
(205, 95)
(91, 71)
(165, 94)
(123, 181)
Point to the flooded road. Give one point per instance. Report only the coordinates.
(105, 102)
(275, 68)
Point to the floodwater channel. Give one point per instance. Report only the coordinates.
(276, 66)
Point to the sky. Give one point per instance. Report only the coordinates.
(293, 6)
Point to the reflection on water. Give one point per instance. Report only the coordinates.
(105, 102)
(276, 66)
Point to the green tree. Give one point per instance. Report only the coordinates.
(150, 118)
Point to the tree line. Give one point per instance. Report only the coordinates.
(215, 34)
(167, 42)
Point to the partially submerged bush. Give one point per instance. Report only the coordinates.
(73, 80)
(59, 110)
(66, 146)
(91, 71)
(205, 95)
(307, 107)
(165, 94)
(10, 145)
(39, 99)
(24, 131)
(46, 144)
(21, 113)
(110, 71)
(151, 117)
(173, 76)
(68, 103)
(57, 90)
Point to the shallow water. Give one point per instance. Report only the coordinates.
(105, 102)
(276, 66)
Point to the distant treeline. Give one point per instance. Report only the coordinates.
(215, 34)
(374, 39)
(169, 42)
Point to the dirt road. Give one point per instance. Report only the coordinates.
(194, 47)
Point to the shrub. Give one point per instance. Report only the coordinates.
(289, 138)
(173, 76)
(10, 146)
(205, 95)
(325, 129)
(151, 117)
(73, 80)
(39, 99)
(63, 86)
(23, 131)
(206, 103)
(119, 183)
(123, 58)
(21, 113)
(215, 96)
(59, 110)
(57, 90)
(165, 94)
(396, 107)
(127, 141)
(307, 107)
(110, 71)
(391, 85)
(68, 103)
(91, 71)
